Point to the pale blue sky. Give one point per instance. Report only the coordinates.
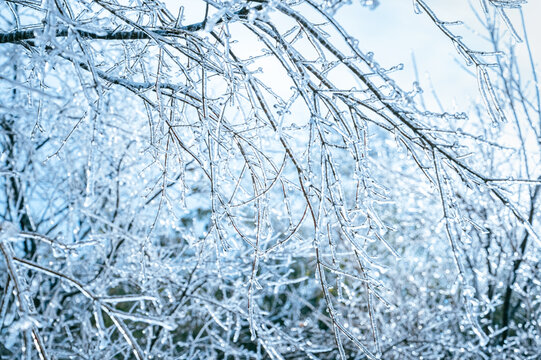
(393, 31)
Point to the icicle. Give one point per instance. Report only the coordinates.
(509, 25)
(237, 330)
(489, 97)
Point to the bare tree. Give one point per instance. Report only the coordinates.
(253, 184)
